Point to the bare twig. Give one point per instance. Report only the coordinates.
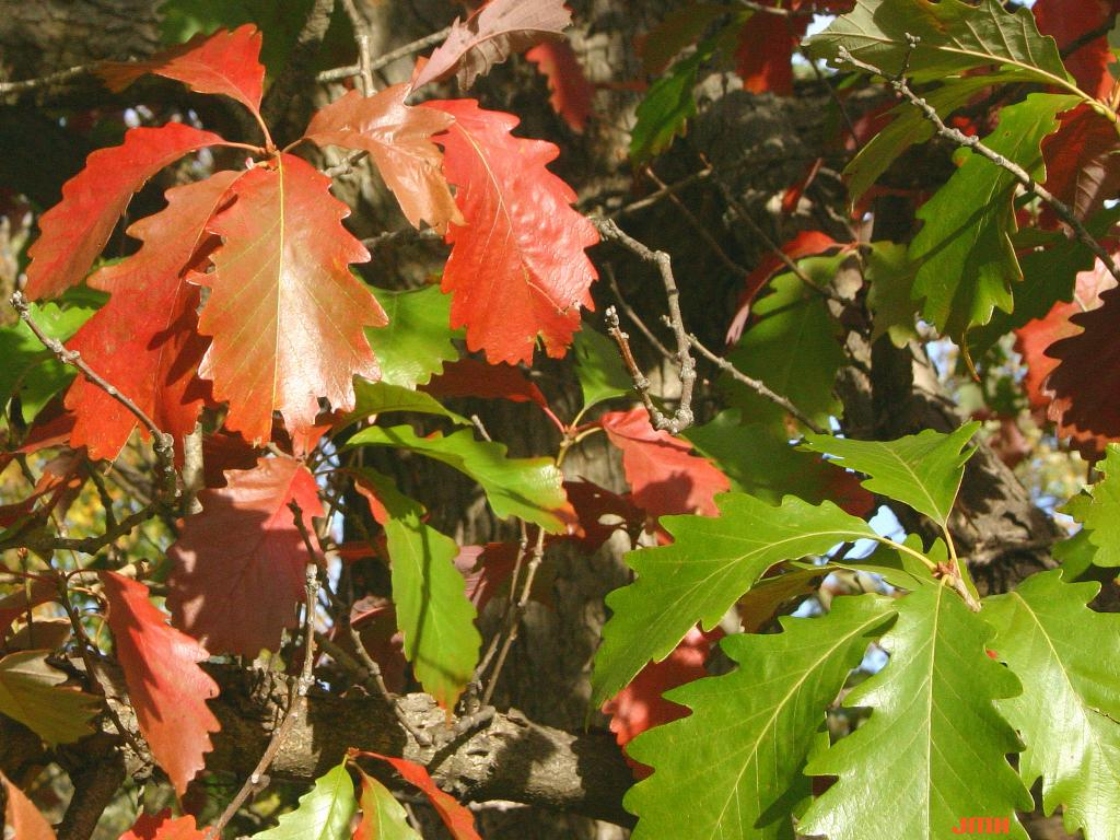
(683, 416)
(386, 59)
(634, 316)
(49, 79)
(973, 143)
(162, 443)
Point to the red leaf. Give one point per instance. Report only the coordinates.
(1081, 160)
(641, 706)
(73, 232)
(238, 574)
(806, 243)
(572, 92)
(225, 62)
(399, 139)
(1085, 384)
(144, 340)
(161, 826)
(517, 268)
(1069, 20)
(486, 568)
(285, 314)
(458, 819)
(665, 477)
(593, 504)
(165, 685)
(22, 817)
(491, 35)
(763, 58)
(1034, 338)
(472, 378)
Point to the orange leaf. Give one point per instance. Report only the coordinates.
(238, 573)
(22, 817)
(167, 688)
(161, 826)
(663, 474)
(572, 93)
(285, 313)
(73, 232)
(517, 267)
(144, 340)
(225, 62)
(458, 819)
(490, 36)
(764, 55)
(399, 139)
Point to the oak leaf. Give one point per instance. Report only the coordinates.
(225, 62)
(571, 91)
(517, 268)
(144, 340)
(73, 232)
(239, 564)
(285, 313)
(399, 139)
(166, 686)
(490, 36)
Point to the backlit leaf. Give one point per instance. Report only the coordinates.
(238, 575)
(599, 368)
(73, 232)
(1067, 657)
(165, 685)
(399, 139)
(383, 818)
(571, 91)
(667, 107)
(933, 723)
(324, 813)
(493, 33)
(1101, 516)
(710, 564)
(741, 752)
(528, 488)
(1069, 22)
(458, 819)
(417, 340)
(30, 692)
(517, 270)
(285, 313)
(922, 470)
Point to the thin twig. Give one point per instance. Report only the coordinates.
(386, 59)
(49, 79)
(973, 143)
(514, 617)
(758, 386)
(630, 313)
(683, 417)
(162, 442)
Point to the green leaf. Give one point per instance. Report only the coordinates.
(934, 748)
(383, 818)
(667, 107)
(792, 346)
(1101, 517)
(901, 569)
(324, 812)
(528, 488)
(890, 278)
(710, 564)
(741, 752)
(922, 470)
(599, 368)
(30, 693)
(955, 37)
(417, 340)
(1069, 711)
(373, 398)
(966, 260)
(433, 611)
(29, 369)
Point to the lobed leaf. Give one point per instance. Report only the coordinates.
(74, 231)
(285, 314)
(517, 269)
(528, 488)
(934, 748)
(166, 686)
(31, 692)
(417, 340)
(741, 752)
(1066, 656)
(324, 812)
(922, 470)
(490, 35)
(710, 564)
(1101, 516)
(399, 139)
(571, 92)
(238, 566)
